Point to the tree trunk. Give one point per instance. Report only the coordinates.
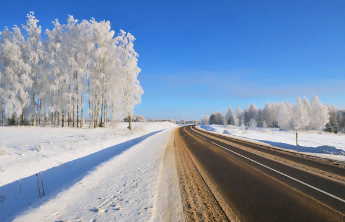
(2, 117)
(88, 89)
(77, 112)
(33, 104)
(105, 114)
(90, 116)
(82, 111)
(112, 114)
(102, 112)
(62, 118)
(39, 114)
(22, 119)
(95, 118)
(77, 92)
(73, 115)
(129, 122)
(37, 109)
(58, 118)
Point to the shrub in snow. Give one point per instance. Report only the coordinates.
(3, 150)
(40, 147)
(266, 130)
(264, 125)
(243, 128)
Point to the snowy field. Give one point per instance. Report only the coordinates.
(321, 144)
(88, 174)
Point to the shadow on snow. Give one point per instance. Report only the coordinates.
(55, 180)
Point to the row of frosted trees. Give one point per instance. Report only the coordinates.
(304, 115)
(80, 69)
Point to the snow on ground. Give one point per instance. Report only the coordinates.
(322, 144)
(102, 174)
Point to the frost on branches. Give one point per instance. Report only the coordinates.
(79, 65)
(304, 115)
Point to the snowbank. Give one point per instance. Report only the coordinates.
(68, 157)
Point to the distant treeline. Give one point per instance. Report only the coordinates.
(304, 115)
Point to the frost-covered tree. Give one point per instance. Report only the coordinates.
(250, 112)
(308, 108)
(220, 118)
(252, 124)
(229, 117)
(283, 116)
(341, 120)
(260, 118)
(270, 114)
(300, 115)
(34, 55)
(333, 117)
(78, 63)
(239, 117)
(15, 78)
(205, 120)
(319, 115)
(104, 81)
(132, 90)
(213, 119)
(333, 112)
(304, 115)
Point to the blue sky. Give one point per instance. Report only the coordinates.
(202, 56)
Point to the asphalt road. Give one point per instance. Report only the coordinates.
(252, 182)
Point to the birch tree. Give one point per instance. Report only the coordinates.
(78, 63)
(34, 52)
(132, 90)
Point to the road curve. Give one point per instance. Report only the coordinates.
(249, 182)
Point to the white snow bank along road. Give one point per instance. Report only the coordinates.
(25, 151)
(120, 189)
(61, 167)
(321, 144)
